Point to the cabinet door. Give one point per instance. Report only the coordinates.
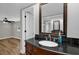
(29, 48)
(40, 51)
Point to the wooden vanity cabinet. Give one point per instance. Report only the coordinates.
(28, 48)
(33, 50)
(40, 51)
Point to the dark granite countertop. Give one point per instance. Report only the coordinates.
(65, 48)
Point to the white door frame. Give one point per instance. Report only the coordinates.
(22, 18)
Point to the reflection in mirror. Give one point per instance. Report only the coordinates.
(52, 17)
(56, 25)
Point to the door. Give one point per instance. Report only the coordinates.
(29, 23)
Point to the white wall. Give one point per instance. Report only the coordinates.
(11, 10)
(16, 27)
(73, 20)
(5, 30)
(8, 30)
(36, 18)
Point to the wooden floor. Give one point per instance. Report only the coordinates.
(9, 46)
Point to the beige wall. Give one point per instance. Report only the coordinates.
(16, 31)
(5, 30)
(8, 30)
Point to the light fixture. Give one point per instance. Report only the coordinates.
(5, 20)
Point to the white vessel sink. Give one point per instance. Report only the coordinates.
(48, 43)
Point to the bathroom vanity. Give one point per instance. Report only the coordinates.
(33, 48)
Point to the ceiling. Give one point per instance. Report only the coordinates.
(12, 10)
(52, 9)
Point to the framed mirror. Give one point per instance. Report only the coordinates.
(53, 16)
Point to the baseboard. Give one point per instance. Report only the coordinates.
(4, 38)
(9, 38)
(16, 37)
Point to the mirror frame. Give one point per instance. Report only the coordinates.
(64, 19)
